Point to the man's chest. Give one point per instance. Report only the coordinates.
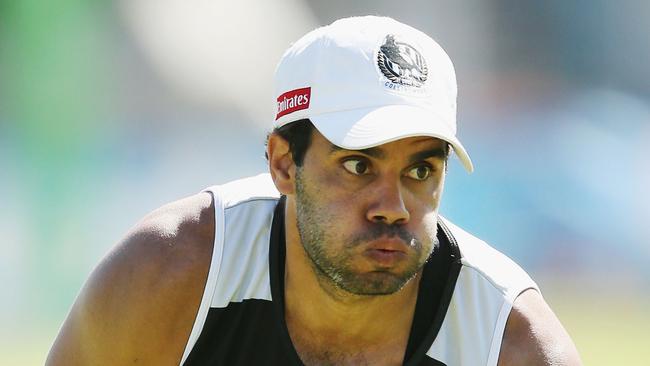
(334, 351)
(250, 333)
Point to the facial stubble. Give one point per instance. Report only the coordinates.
(317, 232)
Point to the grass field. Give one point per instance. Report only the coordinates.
(609, 329)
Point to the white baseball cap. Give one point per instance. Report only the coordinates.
(367, 81)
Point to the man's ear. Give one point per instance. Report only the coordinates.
(281, 165)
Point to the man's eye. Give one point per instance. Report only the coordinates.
(421, 172)
(356, 166)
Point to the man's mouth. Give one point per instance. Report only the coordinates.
(387, 251)
(392, 244)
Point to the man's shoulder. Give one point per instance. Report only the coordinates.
(173, 238)
(534, 335)
(140, 301)
(489, 263)
(233, 193)
(490, 282)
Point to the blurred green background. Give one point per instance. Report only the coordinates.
(111, 109)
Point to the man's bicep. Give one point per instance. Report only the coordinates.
(535, 336)
(98, 327)
(140, 302)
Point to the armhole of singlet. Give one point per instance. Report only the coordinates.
(213, 273)
(500, 327)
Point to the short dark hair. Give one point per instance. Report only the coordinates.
(298, 134)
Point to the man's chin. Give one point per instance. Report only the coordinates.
(375, 283)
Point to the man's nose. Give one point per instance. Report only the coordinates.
(387, 205)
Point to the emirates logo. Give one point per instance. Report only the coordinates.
(293, 100)
(401, 63)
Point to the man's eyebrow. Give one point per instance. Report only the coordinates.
(375, 152)
(437, 152)
(378, 153)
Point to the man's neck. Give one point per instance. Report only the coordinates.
(318, 310)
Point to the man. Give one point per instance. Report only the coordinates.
(338, 256)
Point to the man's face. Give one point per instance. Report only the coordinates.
(368, 218)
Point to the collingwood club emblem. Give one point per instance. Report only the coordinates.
(401, 63)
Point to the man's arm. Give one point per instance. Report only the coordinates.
(534, 335)
(139, 304)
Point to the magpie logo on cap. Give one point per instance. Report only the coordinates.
(401, 63)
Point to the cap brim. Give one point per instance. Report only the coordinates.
(367, 127)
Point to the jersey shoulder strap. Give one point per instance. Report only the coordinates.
(239, 264)
(487, 286)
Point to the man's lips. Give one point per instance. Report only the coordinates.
(388, 245)
(385, 258)
(387, 252)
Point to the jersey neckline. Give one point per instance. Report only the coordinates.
(435, 289)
